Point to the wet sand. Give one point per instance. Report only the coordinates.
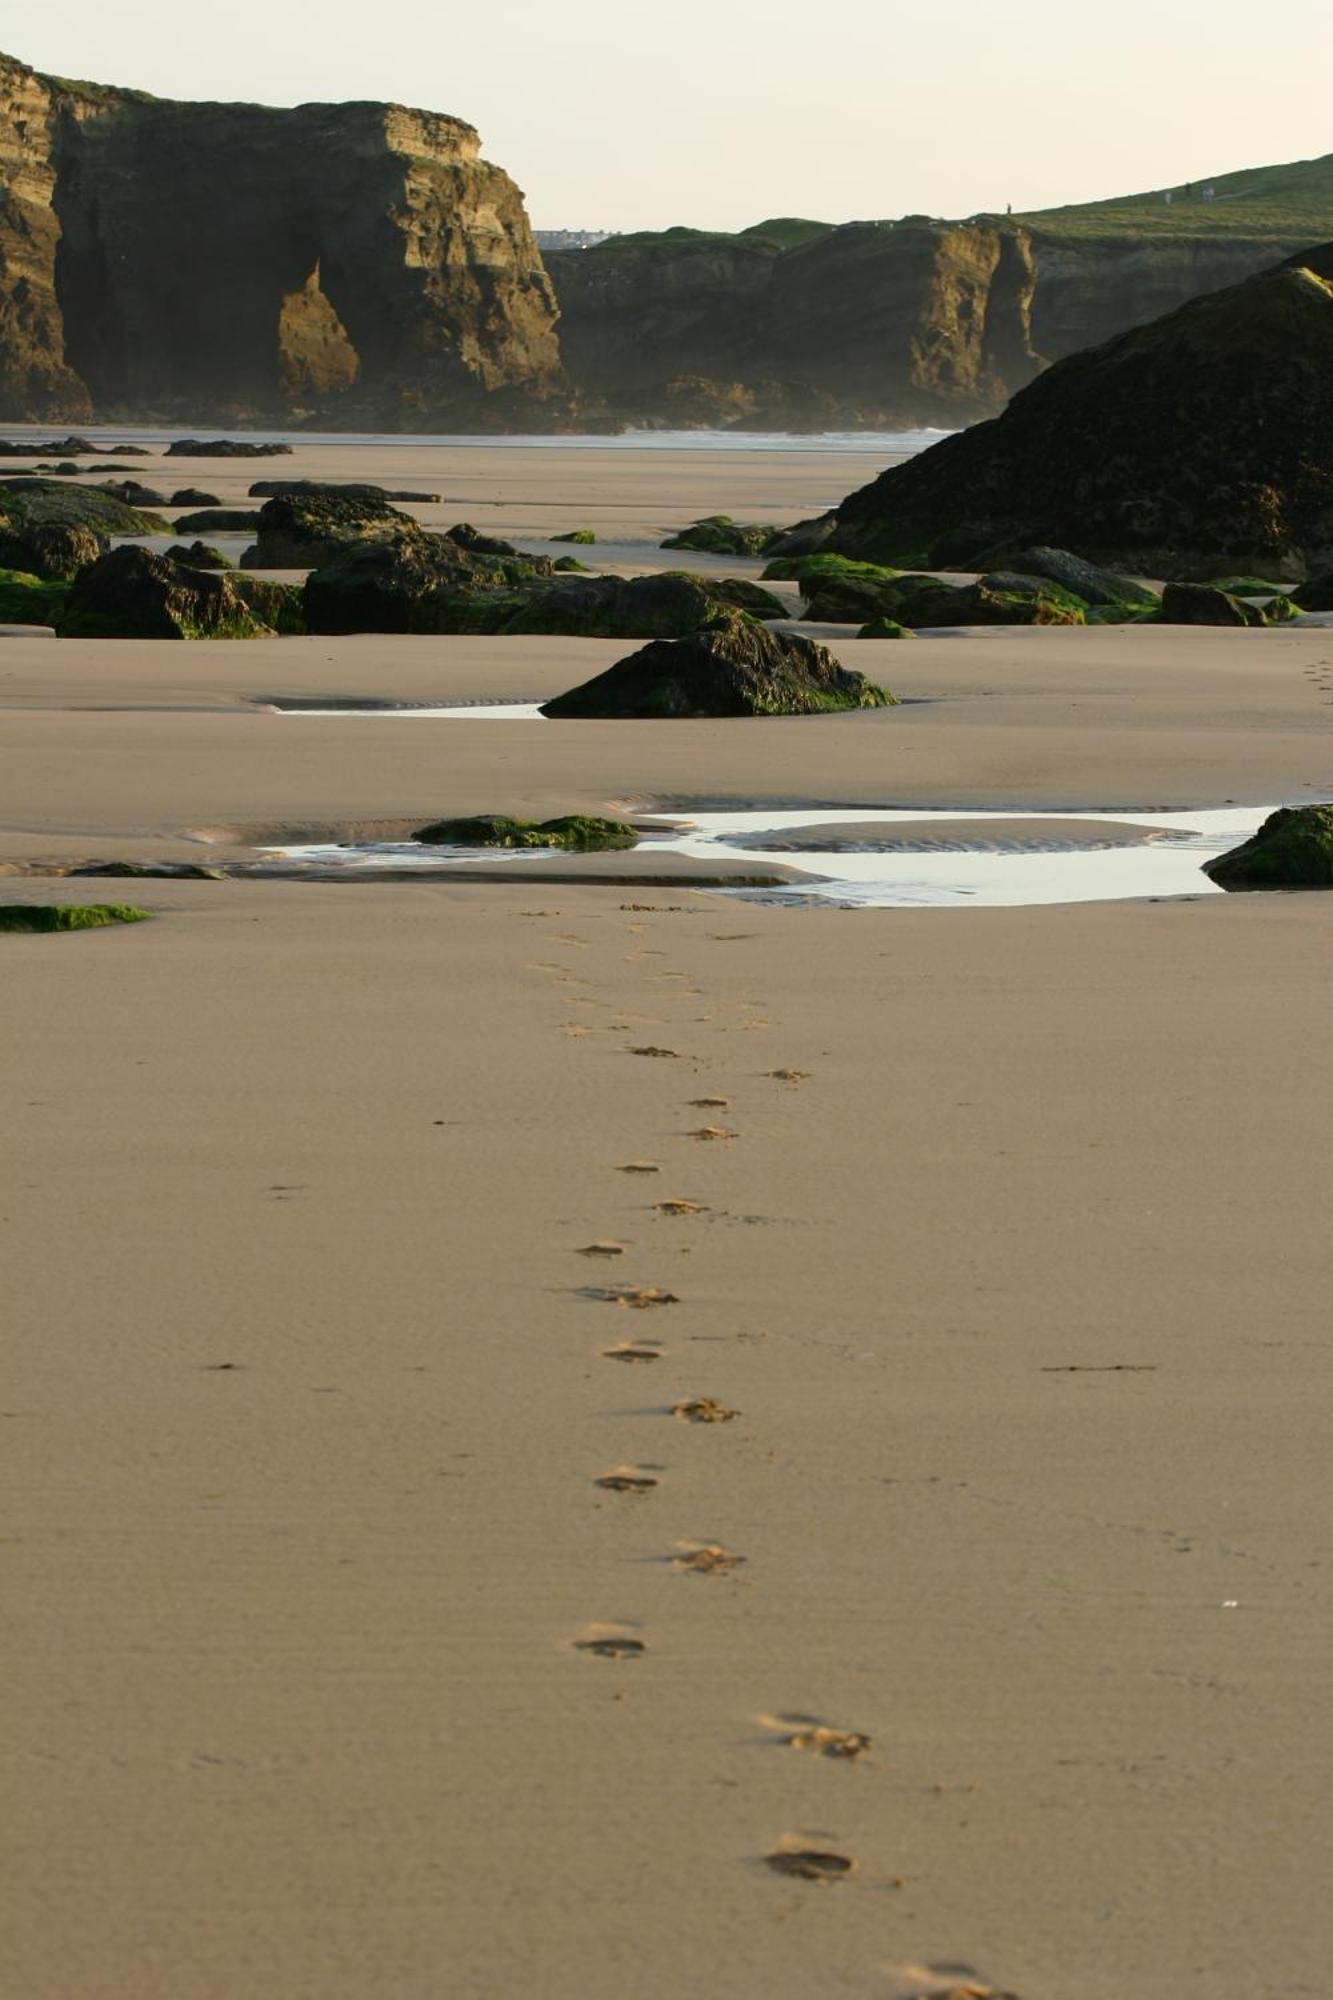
(1018, 1289)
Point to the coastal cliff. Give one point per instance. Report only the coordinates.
(800, 324)
(350, 265)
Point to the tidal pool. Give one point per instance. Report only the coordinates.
(899, 857)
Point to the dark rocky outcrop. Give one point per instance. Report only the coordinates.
(1199, 445)
(579, 833)
(300, 531)
(53, 550)
(1317, 594)
(1201, 604)
(273, 489)
(366, 269)
(664, 606)
(465, 536)
(194, 496)
(1086, 580)
(279, 606)
(1293, 849)
(584, 536)
(198, 555)
(34, 502)
(998, 599)
(134, 494)
(733, 668)
(133, 594)
(219, 521)
(719, 535)
(225, 447)
(151, 871)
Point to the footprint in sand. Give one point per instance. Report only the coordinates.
(703, 1410)
(943, 1982)
(629, 1350)
(600, 1250)
(610, 1642)
(809, 1864)
(680, 1207)
(626, 1479)
(641, 1297)
(708, 1133)
(806, 1732)
(705, 1558)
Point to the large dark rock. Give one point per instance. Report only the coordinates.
(53, 550)
(134, 493)
(300, 531)
(219, 521)
(999, 599)
(1094, 585)
(1317, 594)
(225, 448)
(1293, 849)
(1202, 604)
(194, 496)
(133, 594)
(735, 667)
(476, 543)
(271, 489)
(418, 582)
(34, 502)
(1200, 442)
(198, 555)
(664, 606)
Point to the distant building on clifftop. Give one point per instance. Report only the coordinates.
(569, 239)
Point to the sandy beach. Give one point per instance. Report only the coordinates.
(375, 1628)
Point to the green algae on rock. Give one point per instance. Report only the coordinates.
(53, 550)
(303, 530)
(133, 594)
(199, 555)
(66, 916)
(999, 599)
(580, 833)
(664, 606)
(31, 503)
(734, 667)
(1293, 849)
(1204, 604)
(584, 536)
(719, 535)
(885, 628)
(30, 600)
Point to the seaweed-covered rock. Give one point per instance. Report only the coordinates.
(133, 594)
(54, 550)
(66, 916)
(26, 599)
(194, 496)
(665, 606)
(584, 536)
(735, 667)
(570, 566)
(134, 493)
(1201, 441)
(1201, 604)
(581, 833)
(820, 565)
(1246, 586)
(418, 583)
(303, 530)
(152, 871)
(1086, 580)
(884, 628)
(43, 502)
(198, 555)
(280, 606)
(1293, 849)
(719, 535)
(225, 448)
(465, 536)
(1000, 599)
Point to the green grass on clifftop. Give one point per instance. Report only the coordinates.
(1285, 201)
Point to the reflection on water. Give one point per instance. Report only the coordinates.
(901, 857)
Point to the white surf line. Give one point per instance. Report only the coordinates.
(496, 711)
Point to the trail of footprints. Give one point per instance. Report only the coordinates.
(793, 1857)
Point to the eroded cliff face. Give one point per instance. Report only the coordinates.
(344, 264)
(892, 324)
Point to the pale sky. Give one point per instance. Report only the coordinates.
(617, 114)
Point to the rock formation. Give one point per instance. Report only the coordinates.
(360, 265)
(1197, 446)
(1293, 849)
(733, 668)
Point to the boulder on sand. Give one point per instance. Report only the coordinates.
(194, 496)
(418, 582)
(1202, 604)
(33, 502)
(734, 667)
(54, 550)
(1000, 599)
(269, 489)
(665, 606)
(1293, 849)
(465, 536)
(198, 555)
(225, 448)
(302, 530)
(1094, 585)
(133, 594)
(719, 535)
(580, 833)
